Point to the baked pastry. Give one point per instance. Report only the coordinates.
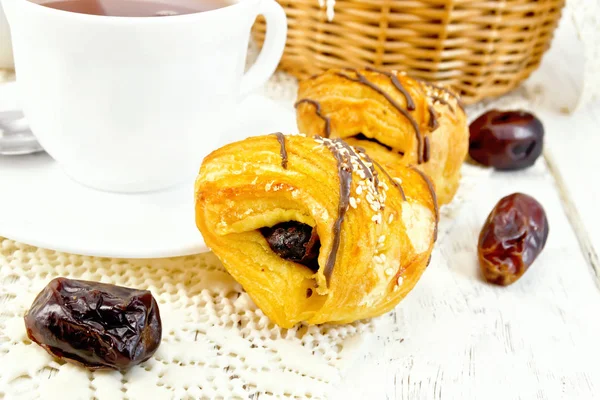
(397, 119)
(314, 229)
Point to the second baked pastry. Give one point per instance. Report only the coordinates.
(313, 229)
(395, 118)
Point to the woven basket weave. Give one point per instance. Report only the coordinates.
(482, 48)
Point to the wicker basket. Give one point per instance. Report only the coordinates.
(482, 48)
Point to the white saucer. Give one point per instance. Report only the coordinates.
(41, 206)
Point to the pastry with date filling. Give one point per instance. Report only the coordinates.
(314, 229)
(395, 118)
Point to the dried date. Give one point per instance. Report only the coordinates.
(95, 324)
(294, 241)
(506, 140)
(512, 237)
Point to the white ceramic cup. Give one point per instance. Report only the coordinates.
(131, 104)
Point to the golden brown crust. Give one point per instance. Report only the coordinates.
(384, 239)
(404, 114)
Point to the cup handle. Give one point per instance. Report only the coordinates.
(272, 49)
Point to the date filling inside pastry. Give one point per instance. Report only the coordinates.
(361, 136)
(294, 241)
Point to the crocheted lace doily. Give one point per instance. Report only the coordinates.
(216, 342)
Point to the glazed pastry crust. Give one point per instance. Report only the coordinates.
(243, 187)
(352, 108)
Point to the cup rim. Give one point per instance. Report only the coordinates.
(219, 12)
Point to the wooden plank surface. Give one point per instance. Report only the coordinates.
(457, 337)
(574, 160)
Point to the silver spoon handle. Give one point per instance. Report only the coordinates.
(15, 136)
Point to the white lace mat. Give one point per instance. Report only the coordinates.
(216, 343)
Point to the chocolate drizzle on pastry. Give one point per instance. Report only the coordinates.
(433, 197)
(360, 78)
(426, 150)
(443, 101)
(410, 104)
(317, 106)
(441, 94)
(433, 122)
(450, 92)
(396, 184)
(283, 151)
(354, 159)
(370, 171)
(345, 176)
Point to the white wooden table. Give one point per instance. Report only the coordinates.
(457, 337)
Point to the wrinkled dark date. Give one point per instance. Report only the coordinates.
(294, 241)
(506, 140)
(94, 324)
(512, 237)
